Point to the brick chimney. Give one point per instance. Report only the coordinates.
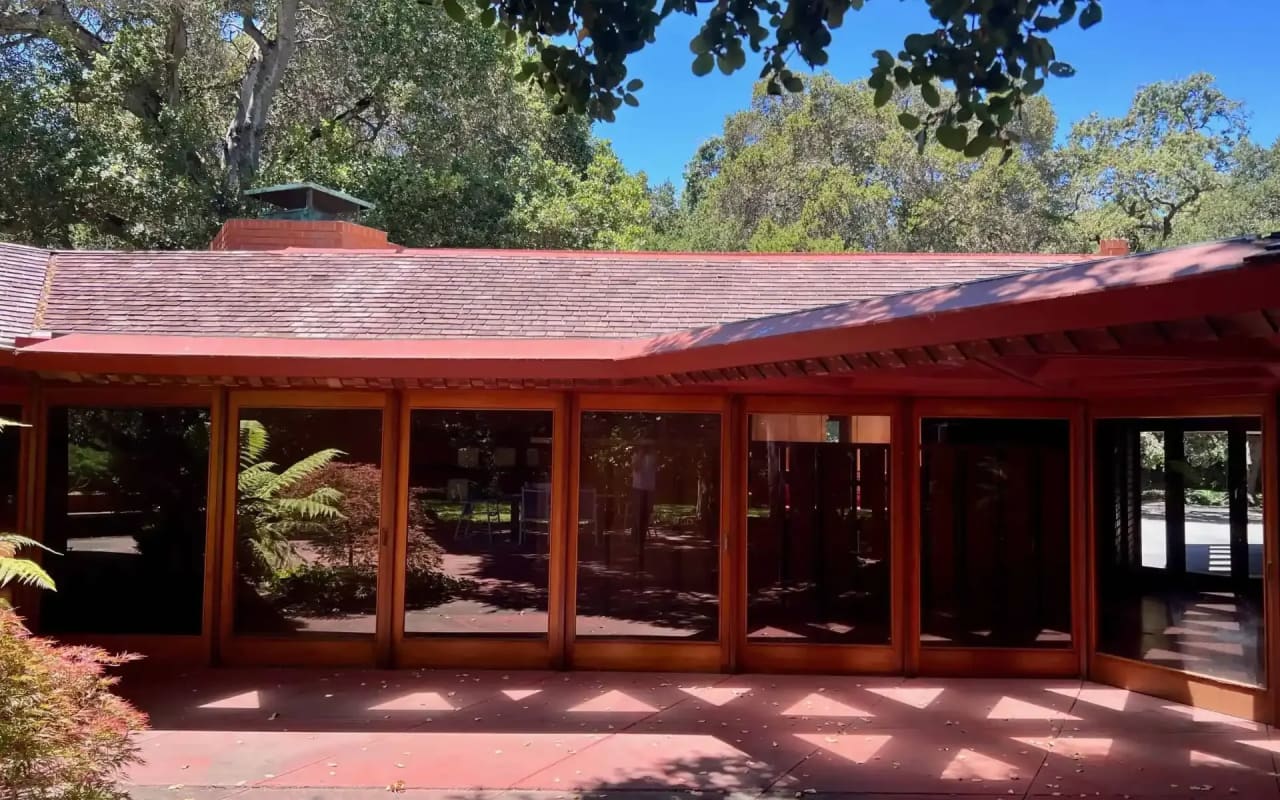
(304, 215)
(1113, 247)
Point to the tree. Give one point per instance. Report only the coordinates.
(995, 54)
(139, 123)
(828, 170)
(1142, 175)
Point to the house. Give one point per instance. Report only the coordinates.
(309, 446)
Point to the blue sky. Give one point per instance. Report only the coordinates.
(1138, 42)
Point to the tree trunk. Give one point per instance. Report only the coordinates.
(242, 148)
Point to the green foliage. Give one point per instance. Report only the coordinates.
(994, 54)
(1141, 175)
(136, 131)
(22, 571)
(826, 170)
(63, 734)
(269, 513)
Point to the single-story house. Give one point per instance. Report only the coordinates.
(309, 446)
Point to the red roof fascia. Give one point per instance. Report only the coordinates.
(1216, 278)
(451, 358)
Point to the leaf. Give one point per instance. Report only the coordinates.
(883, 94)
(929, 93)
(1091, 15)
(454, 10)
(793, 83)
(25, 573)
(488, 17)
(952, 137)
(630, 99)
(978, 145)
(635, 85)
(703, 63)
(698, 45)
(908, 121)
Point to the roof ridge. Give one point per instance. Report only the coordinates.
(657, 255)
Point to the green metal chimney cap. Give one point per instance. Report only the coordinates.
(305, 200)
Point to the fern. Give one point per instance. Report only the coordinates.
(22, 571)
(269, 518)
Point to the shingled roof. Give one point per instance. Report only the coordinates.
(454, 293)
(22, 273)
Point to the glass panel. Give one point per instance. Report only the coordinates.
(995, 533)
(308, 520)
(649, 525)
(1253, 498)
(9, 470)
(1205, 511)
(125, 505)
(1153, 533)
(818, 529)
(479, 522)
(1200, 609)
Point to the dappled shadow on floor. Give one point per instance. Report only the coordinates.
(231, 731)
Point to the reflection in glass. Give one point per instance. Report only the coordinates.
(9, 469)
(818, 529)
(479, 522)
(995, 533)
(649, 525)
(308, 518)
(1196, 603)
(125, 506)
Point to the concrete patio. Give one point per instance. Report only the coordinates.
(353, 734)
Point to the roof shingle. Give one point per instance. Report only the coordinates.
(22, 276)
(473, 293)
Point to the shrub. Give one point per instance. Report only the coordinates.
(63, 734)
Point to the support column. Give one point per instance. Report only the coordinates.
(1175, 506)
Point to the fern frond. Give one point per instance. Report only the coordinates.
(24, 572)
(17, 542)
(253, 441)
(308, 509)
(305, 467)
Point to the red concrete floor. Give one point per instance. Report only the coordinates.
(359, 734)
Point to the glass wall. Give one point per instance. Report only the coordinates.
(308, 519)
(1180, 549)
(818, 535)
(125, 507)
(10, 467)
(649, 525)
(995, 533)
(479, 522)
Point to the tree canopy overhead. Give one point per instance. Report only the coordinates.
(993, 54)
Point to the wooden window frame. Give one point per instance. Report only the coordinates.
(24, 398)
(488, 651)
(1259, 703)
(307, 649)
(812, 657)
(183, 649)
(655, 654)
(1004, 661)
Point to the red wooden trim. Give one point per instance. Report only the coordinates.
(646, 655)
(1174, 407)
(991, 662)
(1270, 549)
(1224, 697)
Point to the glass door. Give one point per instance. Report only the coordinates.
(819, 559)
(996, 548)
